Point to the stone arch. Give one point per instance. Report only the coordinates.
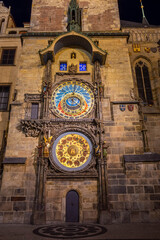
(143, 79)
(73, 39)
(143, 58)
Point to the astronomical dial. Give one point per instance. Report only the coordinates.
(72, 151)
(72, 100)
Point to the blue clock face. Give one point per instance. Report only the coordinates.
(72, 100)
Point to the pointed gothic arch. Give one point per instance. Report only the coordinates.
(143, 73)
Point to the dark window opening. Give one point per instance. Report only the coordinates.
(12, 32)
(80, 18)
(4, 97)
(73, 15)
(143, 83)
(34, 111)
(8, 56)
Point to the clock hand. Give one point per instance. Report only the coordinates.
(74, 89)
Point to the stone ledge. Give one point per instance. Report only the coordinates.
(67, 73)
(148, 157)
(18, 199)
(90, 34)
(14, 160)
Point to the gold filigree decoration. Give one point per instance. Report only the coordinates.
(72, 151)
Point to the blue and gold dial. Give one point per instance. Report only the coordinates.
(72, 100)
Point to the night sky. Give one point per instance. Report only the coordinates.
(129, 10)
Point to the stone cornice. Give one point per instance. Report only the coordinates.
(90, 34)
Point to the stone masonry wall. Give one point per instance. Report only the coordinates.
(149, 51)
(134, 192)
(17, 193)
(97, 15)
(8, 77)
(56, 192)
(153, 132)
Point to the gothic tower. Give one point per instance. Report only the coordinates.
(65, 87)
(50, 15)
(75, 117)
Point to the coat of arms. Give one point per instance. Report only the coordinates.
(131, 107)
(147, 49)
(136, 48)
(122, 107)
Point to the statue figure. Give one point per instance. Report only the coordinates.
(73, 68)
(47, 146)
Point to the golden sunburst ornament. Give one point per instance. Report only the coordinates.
(72, 151)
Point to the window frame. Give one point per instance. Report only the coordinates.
(2, 55)
(61, 62)
(146, 100)
(8, 98)
(84, 63)
(35, 103)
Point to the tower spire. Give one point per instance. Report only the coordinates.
(144, 19)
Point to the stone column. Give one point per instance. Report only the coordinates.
(104, 216)
(46, 88)
(143, 127)
(39, 211)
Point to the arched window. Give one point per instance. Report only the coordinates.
(143, 82)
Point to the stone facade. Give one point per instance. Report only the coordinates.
(121, 182)
(96, 16)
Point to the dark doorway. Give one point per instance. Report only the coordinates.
(72, 206)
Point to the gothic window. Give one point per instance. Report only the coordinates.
(82, 66)
(4, 97)
(143, 82)
(63, 66)
(8, 56)
(34, 110)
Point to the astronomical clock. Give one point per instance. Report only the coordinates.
(72, 151)
(72, 100)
